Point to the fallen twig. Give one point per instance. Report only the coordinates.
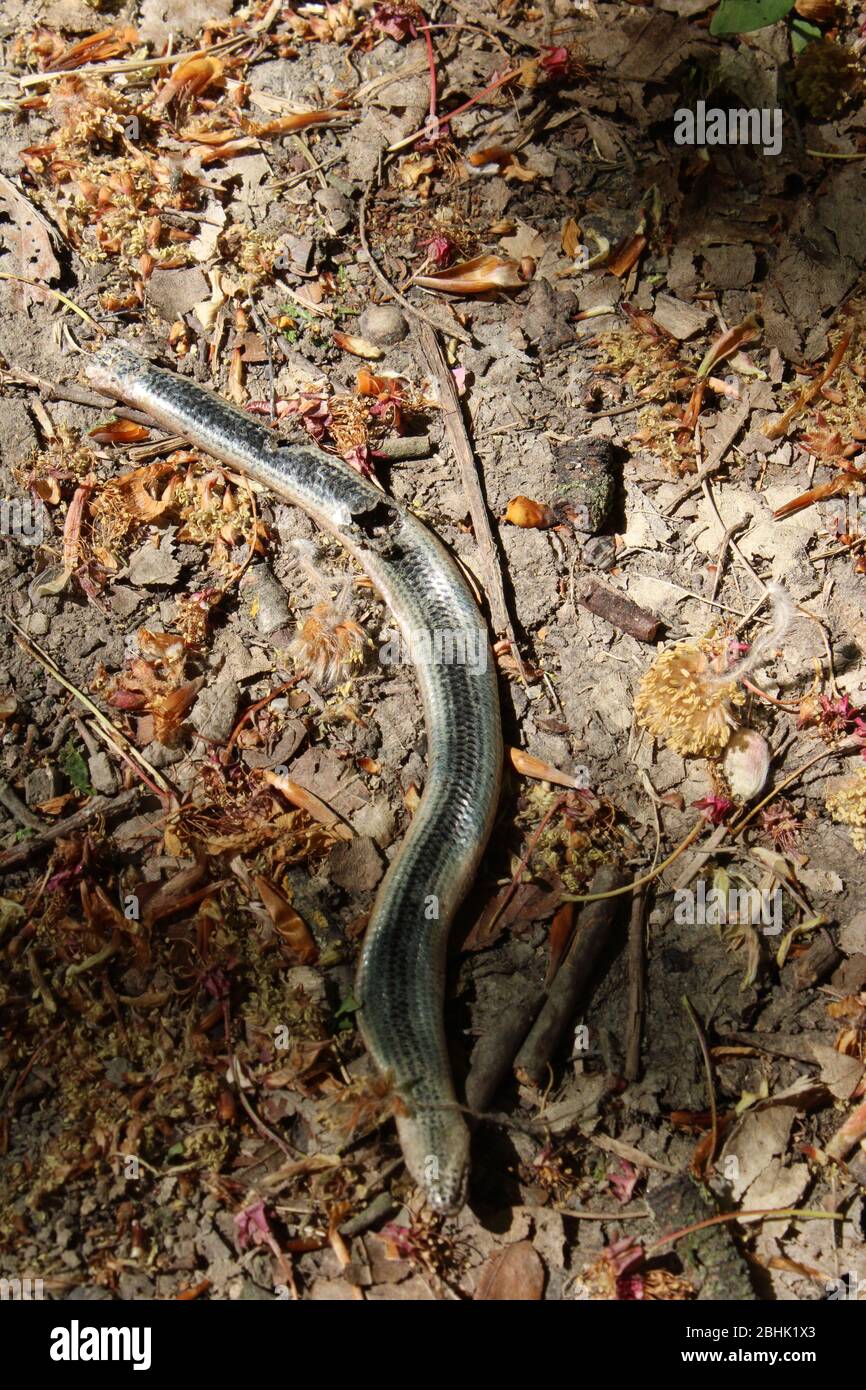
(636, 985)
(21, 854)
(596, 930)
(458, 436)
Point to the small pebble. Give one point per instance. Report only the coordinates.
(383, 324)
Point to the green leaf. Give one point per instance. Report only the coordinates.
(75, 768)
(802, 33)
(343, 1015)
(742, 16)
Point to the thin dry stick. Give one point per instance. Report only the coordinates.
(714, 462)
(759, 1214)
(118, 741)
(708, 1065)
(604, 1215)
(16, 808)
(20, 854)
(636, 991)
(458, 435)
(493, 25)
(726, 540)
(37, 79)
(55, 294)
(524, 860)
(647, 878)
(826, 753)
(708, 493)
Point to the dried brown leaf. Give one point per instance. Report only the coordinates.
(478, 276)
(513, 1274)
(359, 347)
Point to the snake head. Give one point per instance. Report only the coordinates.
(435, 1145)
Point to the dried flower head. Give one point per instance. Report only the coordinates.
(328, 645)
(834, 720)
(780, 823)
(848, 807)
(684, 699)
(826, 78)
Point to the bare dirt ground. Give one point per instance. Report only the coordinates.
(655, 348)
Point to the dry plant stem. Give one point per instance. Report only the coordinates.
(266, 339)
(431, 63)
(444, 121)
(708, 493)
(21, 854)
(647, 878)
(55, 294)
(798, 772)
(726, 540)
(763, 695)
(711, 1088)
(149, 775)
(494, 27)
(604, 1215)
(363, 95)
(234, 1067)
(594, 932)
(453, 332)
(765, 1214)
(809, 393)
(37, 79)
(714, 462)
(706, 852)
(458, 436)
(259, 1124)
(254, 709)
(29, 1065)
(636, 985)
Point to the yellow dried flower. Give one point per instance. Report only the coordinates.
(848, 807)
(682, 700)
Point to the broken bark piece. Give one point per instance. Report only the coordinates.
(586, 470)
(616, 609)
(496, 1049)
(598, 930)
(815, 963)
